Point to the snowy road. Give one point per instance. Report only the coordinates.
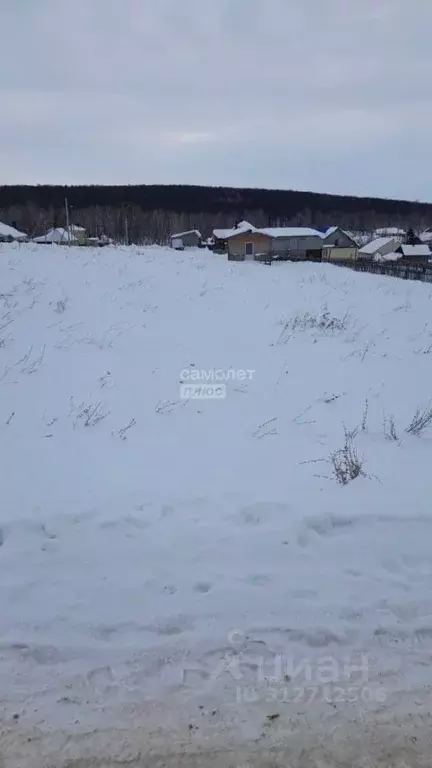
(186, 576)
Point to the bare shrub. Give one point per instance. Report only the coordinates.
(266, 428)
(322, 321)
(90, 414)
(327, 398)
(405, 307)
(421, 421)
(426, 351)
(389, 426)
(5, 320)
(31, 365)
(365, 416)
(166, 406)
(346, 462)
(122, 432)
(61, 306)
(361, 352)
(105, 380)
(298, 419)
(364, 352)
(351, 434)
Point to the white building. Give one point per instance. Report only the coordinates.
(396, 232)
(190, 239)
(380, 246)
(426, 236)
(10, 234)
(59, 236)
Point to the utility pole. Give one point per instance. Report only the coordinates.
(67, 221)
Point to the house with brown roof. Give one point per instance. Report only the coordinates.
(248, 243)
(221, 236)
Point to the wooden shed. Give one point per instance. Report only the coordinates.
(190, 239)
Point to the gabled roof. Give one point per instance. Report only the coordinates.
(188, 232)
(415, 250)
(332, 230)
(57, 235)
(375, 245)
(242, 227)
(7, 231)
(274, 232)
(290, 232)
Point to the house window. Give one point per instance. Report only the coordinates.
(249, 249)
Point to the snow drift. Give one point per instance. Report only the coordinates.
(191, 576)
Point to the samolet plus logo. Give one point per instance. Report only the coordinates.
(209, 384)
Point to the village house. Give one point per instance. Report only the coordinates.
(57, 236)
(246, 242)
(248, 245)
(426, 237)
(9, 234)
(61, 236)
(380, 246)
(221, 236)
(408, 254)
(295, 243)
(338, 245)
(414, 254)
(396, 232)
(79, 233)
(99, 242)
(190, 239)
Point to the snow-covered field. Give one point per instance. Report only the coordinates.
(183, 581)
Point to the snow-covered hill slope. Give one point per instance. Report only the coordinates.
(192, 566)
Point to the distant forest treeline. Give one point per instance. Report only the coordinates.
(151, 213)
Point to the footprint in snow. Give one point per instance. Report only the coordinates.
(261, 512)
(175, 625)
(259, 579)
(166, 511)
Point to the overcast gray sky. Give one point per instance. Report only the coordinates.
(323, 95)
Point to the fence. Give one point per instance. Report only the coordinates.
(404, 271)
